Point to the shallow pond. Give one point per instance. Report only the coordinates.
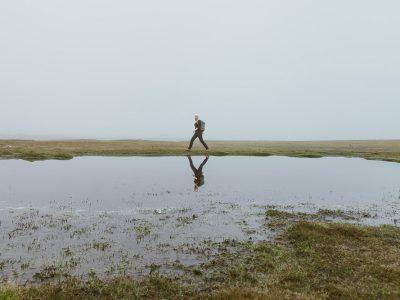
(140, 213)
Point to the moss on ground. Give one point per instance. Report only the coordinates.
(309, 260)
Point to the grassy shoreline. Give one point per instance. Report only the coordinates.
(385, 150)
(308, 260)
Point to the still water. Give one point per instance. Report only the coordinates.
(146, 210)
(91, 184)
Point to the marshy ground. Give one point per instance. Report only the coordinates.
(388, 150)
(266, 228)
(310, 257)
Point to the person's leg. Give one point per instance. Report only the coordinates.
(202, 165)
(202, 141)
(192, 140)
(192, 166)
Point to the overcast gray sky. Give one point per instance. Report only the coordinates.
(275, 70)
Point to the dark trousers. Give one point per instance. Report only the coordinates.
(198, 134)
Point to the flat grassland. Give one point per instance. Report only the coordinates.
(387, 150)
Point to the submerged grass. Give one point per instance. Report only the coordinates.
(387, 150)
(309, 260)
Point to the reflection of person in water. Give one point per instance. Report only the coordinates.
(198, 173)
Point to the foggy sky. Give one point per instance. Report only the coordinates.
(274, 70)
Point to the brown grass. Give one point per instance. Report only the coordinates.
(388, 150)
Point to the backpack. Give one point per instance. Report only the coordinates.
(202, 125)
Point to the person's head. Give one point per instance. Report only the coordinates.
(196, 117)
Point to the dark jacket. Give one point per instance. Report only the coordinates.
(197, 125)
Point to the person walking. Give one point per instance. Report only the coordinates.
(200, 127)
(197, 173)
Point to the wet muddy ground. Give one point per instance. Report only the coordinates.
(138, 215)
